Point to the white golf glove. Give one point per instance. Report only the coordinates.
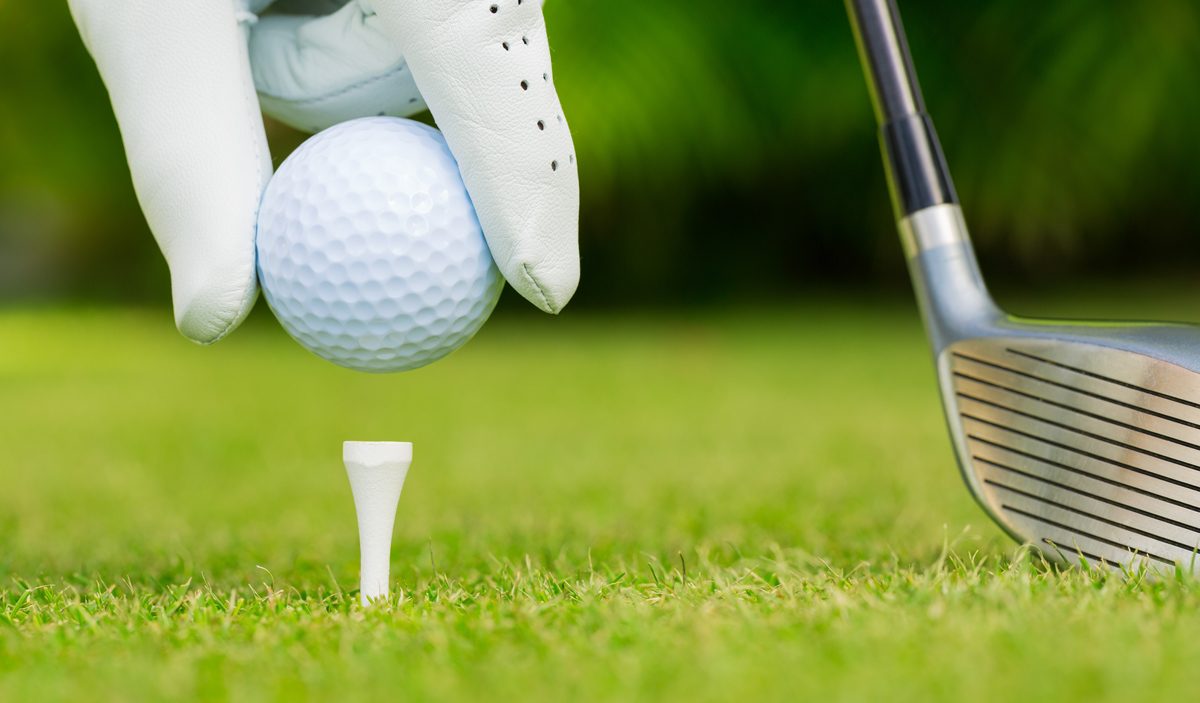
(186, 78)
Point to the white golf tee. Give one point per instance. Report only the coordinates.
(376, 471)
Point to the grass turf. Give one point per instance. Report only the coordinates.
(710, 507)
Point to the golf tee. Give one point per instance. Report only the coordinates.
(376, 471)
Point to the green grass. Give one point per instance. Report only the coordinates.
(732, 506)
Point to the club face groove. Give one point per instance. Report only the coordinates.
(1087, 451)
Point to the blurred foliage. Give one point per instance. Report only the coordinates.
(724, 149)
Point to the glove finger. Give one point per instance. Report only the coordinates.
(314, 72)
(484, 70)
(179, 80)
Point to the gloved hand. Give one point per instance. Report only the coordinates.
(183, 77)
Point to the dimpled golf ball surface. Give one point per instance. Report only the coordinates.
(369, 250)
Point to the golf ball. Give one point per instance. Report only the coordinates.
(369, 249)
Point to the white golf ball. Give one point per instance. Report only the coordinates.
(369, 249)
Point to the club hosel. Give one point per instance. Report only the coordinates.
(917, 173)
(949, 286)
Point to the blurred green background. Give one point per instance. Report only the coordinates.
(727, 152)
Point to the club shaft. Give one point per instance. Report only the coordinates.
(916, 169)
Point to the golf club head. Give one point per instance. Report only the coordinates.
(1082, 439)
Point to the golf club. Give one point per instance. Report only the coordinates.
(1080, 438)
